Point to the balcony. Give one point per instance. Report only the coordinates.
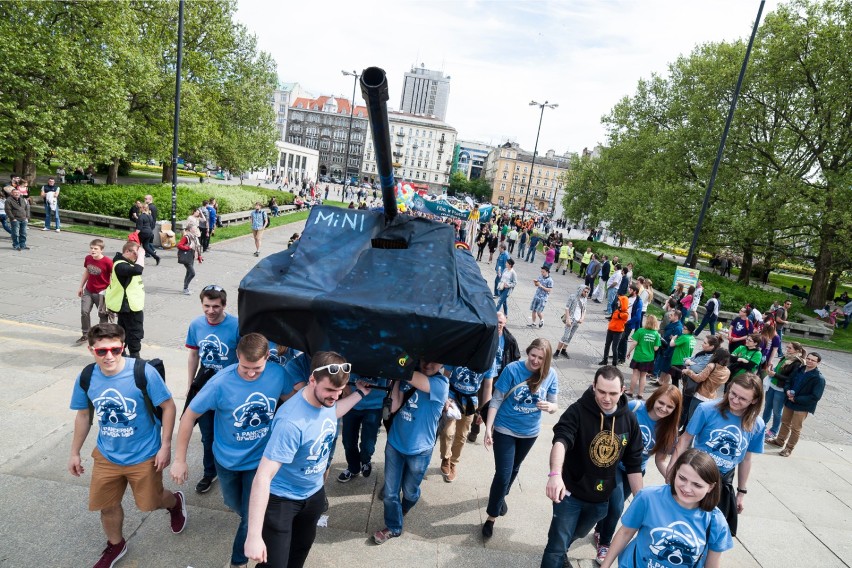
(399, 143)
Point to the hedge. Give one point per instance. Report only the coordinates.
(159, 170)
(116, 200)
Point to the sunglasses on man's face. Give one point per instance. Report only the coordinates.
(335, 368)
(102, 351)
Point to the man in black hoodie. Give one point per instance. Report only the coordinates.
(591, 437)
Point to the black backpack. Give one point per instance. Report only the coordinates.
(141, 384)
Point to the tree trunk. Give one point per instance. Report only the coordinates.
(112, 172)
(167, 172)
(832, 285)
(748, 260)
(18, 167)
(28, 167)
(822, 264)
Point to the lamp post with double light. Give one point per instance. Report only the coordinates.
(543, 105)
(355, 75)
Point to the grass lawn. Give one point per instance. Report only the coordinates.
(840, 341)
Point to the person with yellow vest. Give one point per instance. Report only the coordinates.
(125, 295)
(584, 262)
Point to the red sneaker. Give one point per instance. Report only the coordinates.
(178, 513)
(112, 554)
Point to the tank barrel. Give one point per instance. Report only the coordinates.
(374, 89)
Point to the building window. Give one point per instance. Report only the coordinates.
(502, 187)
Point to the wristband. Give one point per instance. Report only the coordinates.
(359, 391)
(554, 473)
(743, 491)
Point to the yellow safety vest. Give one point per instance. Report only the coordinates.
(115, 292)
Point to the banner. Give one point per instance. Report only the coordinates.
(445, 209)
(687, 276)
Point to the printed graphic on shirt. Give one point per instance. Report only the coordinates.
(606, 447)
(726, 445)
(524, 401)
(675, 545)
(405, 411)
(318, 456)
(466, 381)
(253, 417)
(647, 438)
(213, 352)
(93, 269)
(115, 413)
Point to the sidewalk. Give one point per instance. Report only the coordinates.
(798, 511)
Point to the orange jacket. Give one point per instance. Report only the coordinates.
(619, 316)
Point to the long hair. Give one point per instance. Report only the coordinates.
(751, 382)
(651, 322)
(799, 356)
(707, 470)
(535, 380)
(666, 429)
(720, 356)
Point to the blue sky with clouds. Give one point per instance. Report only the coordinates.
(582, 54)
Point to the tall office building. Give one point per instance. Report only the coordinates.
(425, 92)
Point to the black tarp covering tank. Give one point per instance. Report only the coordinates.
(383, 294)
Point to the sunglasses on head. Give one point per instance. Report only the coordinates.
(214, 288)
(335, 368)
(102, 351)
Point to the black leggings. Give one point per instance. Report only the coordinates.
(289, 529)
(612, 339)
(190, 274)
(147, 240)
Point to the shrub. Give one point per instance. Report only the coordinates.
(159, 170)
(116, 200)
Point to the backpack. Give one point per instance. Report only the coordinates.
(141, 384)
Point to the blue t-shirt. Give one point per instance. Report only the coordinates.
(464, 384)
(128, 433)
(669, 535)
(415, 426)
(498, 358)
(724, 438)
(647, 427)
(244, 413)
(301, 440)
(544, 282)
(375, 399)
(298, 370)
(282, 358)
(518, 412)
(216, 344)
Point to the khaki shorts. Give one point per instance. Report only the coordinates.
(109, 482)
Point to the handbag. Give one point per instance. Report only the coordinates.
(185, 257)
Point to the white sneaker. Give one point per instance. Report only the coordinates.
(57, 230)
(45, 229)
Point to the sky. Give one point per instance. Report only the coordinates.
(584, 55)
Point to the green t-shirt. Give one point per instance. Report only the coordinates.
(647, 340)
(742, 352)
(683, 347)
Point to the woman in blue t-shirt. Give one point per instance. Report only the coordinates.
(523, 390)
(658, 421)
(678, 524)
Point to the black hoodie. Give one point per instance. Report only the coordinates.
(594, 444)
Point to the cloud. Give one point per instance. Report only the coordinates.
(583, 54)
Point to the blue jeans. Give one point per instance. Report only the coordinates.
(572, 519)
(504, 295)
(205, 424)
(236, 490)
(404, 473)
(5, 223)
(366, 422)
(521, 248)
(509, 454)
(773, 407)
(611, 294)
(19, 234)
(496, 281)
(50, 214)
(531, 254)
(615, 507)
(708, 319)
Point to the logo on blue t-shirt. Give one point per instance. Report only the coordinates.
(647, 438)
(726, 445)
(256, 412)
(676, 544)
(113, 411)
(212, 351)
(525, 401)
(321, 447)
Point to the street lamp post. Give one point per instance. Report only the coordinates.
(535, 151)
(354, 75)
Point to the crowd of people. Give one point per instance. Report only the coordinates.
(270, 416)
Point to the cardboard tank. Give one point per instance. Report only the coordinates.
(381, 288)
